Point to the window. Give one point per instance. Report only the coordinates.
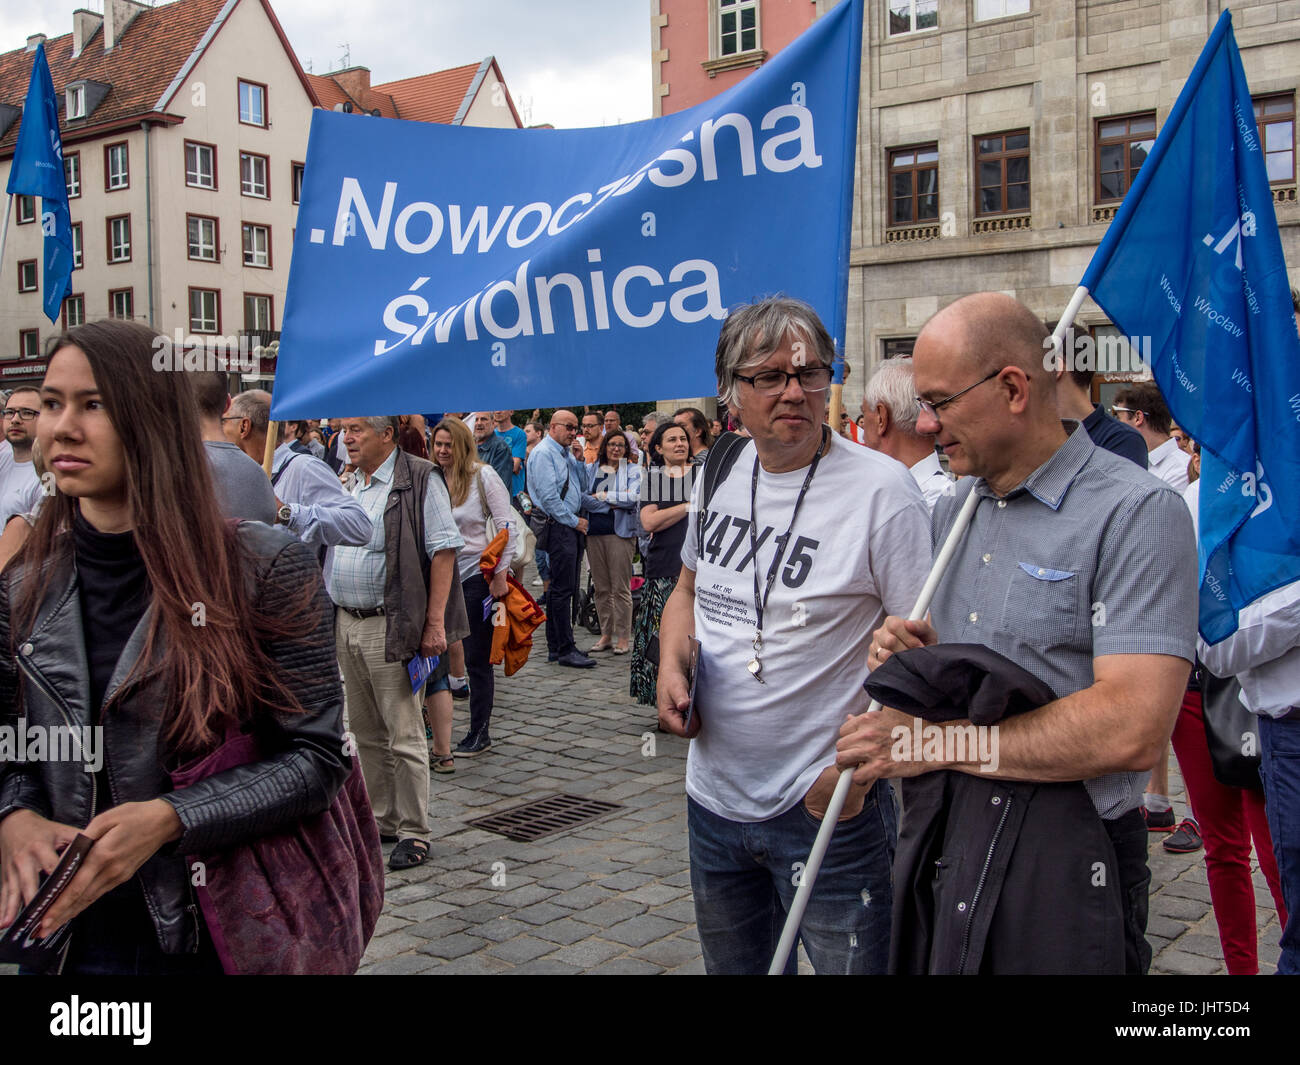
(119, 238)
(121, 303)
(26, 209)
(75, 100)
(200, 165)
(27, 278)
(74, 311)
(201, 234)
(257, 313)
(914, 185)
(72, 173)
(117, 175)
(29, 343)
(253, 175)
(908, 16)
(298, 170)
(1002, 173)
(898, 347)
(78, 260)
(987, 9)
(205, 310)
(737, 26)
(257, 245)
(252, 103)
(1122, 145)
(1275, 117)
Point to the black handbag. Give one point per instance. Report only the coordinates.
(1231, 732)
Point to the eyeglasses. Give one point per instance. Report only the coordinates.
(933, 409)
(571, 426)
(1123, 410)
(21, 414)
(774, 382)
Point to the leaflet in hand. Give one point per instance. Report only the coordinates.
(19, 942)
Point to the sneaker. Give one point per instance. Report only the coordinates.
(537, 582)
(1186, 840)
(472, 745)
(1161, 822)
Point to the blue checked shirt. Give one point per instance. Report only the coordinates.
(1090, 556)
(549, 466)
(357, 579)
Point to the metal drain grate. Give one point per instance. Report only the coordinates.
(543, 817)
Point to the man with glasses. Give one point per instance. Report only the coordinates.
(592, 434)
(804, 546)
(555, 482)
(1143, 407)
(22, 488)
(1078, 566)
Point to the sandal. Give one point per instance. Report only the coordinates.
(408, 853)
(443, 763)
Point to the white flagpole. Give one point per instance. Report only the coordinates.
(823, 841)
(4, 233)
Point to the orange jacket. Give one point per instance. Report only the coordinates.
(512, 639)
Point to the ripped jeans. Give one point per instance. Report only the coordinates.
(743, 876)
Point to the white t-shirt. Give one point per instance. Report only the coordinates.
(859, 550)
(22, 490)
(932, 480)
(473, 525)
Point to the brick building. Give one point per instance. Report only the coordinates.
(996, 138)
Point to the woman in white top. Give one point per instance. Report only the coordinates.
(476, 494)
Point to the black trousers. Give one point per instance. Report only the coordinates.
(562, 549)
(478, 651)
(1128, 835)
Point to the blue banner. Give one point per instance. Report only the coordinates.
(453, 268)
(1193, 260)
(37, 170)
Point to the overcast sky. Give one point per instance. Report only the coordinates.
(566, 62)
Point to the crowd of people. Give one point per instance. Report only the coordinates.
(366, 564)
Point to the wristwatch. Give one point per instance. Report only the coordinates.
(283, 515)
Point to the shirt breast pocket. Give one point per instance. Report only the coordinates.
(1042, 603)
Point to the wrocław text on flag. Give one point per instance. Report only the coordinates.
(449, 268)
(37, 170)
(1193, 260)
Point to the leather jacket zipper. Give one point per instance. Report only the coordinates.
(979, 887)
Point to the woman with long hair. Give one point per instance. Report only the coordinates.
(477, 497)
(610, 506)
(134, 609)
(663, 516)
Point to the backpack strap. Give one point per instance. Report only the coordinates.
(722, 456)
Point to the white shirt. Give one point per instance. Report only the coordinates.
(1169, 463)
(22, 491)
(1264, 653)
(860, 549)
(473, 526)
(931, 478)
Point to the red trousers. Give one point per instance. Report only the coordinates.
(1229, 819)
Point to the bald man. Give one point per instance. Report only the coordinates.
(555, 482)
(1081, 568)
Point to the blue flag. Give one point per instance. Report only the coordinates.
(1193, 261)
(37, 170)
(463, 268)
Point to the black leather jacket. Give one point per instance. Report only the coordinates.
(223, 810)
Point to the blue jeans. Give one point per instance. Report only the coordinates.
(543, 561)
(1279, 747)
(743, 878)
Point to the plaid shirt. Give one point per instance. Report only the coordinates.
(357, 579)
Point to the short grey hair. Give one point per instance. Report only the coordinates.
(255, 405)
(753, 332)
(379, 424)
(892, 384)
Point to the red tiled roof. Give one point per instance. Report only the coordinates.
(330, 93)
(432, 97)
(141, 66)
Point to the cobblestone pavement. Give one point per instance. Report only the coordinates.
(614, 896)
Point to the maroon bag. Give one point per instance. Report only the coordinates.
(304, 900)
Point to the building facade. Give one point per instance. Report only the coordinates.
(996, 139)
(184, 131)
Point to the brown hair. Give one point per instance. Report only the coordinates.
(1146, 397)
(216, 673)
(211, 392)
(464, 458)
(602, 453)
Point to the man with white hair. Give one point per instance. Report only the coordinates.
(889, 413)
(492, 449)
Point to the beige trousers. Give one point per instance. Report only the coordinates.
(610, 558)
(386, 722)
